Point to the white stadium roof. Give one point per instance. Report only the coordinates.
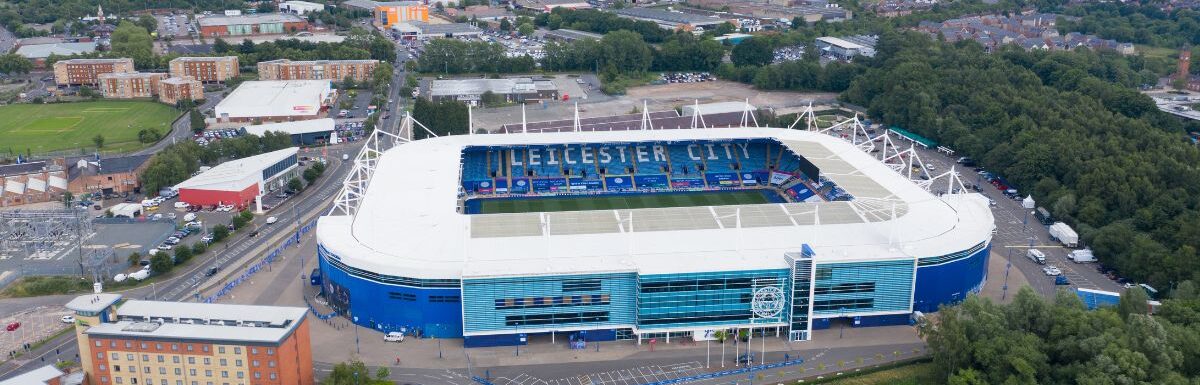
(293, 128)
(407, 224)
(274, 98)
(232, 175)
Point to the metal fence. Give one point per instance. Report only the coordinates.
(265, 263)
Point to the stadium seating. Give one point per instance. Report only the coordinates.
(591, 162)
(758, 157)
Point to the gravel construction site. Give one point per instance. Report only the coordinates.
(659, 97)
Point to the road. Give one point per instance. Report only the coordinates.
(1016, 228)
(181, 129)
(183, 286)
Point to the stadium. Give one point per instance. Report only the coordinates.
(651, 227)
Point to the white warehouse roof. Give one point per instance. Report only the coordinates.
(407, 224)
(274, 98)
(236, 175)
(293, 128)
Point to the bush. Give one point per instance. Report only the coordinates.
(161, 263)
(46, 285)
(134, 258)
(310, 175)
(219, 233)
(182, 254)
(199, 248)
(295, 184)
(239, 222)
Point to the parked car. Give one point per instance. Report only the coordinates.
(1061, 280)
(272, 220)
(181, 205)
(13, 326)
(211, 272)
(165, 247)
(207, 238)
(1051, 271)
(68, 319)
(393, 337)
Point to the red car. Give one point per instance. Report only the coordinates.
(13, 326)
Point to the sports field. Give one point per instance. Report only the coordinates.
(41, 128)
(614, 202)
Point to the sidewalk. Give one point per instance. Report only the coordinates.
(334, 339)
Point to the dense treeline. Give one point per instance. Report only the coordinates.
(179, 161)
(452, 56)
(1064, 126)
(1037, 341)
(592, 20)
(359, 44)
(1135, 23)
(442, 118)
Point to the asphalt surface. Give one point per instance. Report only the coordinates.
(181, 129)
(231, 255)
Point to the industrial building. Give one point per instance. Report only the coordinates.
(847, 240)
(241, 182)
(670, 20)
(46, 375)
(842, 49)
(513, 90)
(176, 89)
(129, 85)
(390, 13)
(335, 70)
(206, 69)
(74, 72)
(158, 342)
(411, 30)
(37, 53)
(249, 25)
(300, 7)
(304, 133)
(275, 101)
(115, 175)
(33, 182)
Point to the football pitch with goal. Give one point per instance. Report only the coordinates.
(617, 202)
(41, 128)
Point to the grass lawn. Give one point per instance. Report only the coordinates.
(43, 128)
(34, 286)
(1160, 52)
(921, 373)
(614, 202)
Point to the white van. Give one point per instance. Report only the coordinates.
(1036, 256)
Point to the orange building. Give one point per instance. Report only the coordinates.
(335, 70)
(129, 85)
(178, 343)
(390, 13)
(172, 90)
(205, 69)
(87, 71)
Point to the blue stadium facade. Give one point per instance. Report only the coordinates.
(627, 302)
(501, 310)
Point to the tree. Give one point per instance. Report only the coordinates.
(247, 47)
(310, 175)
(219, 233)
(13, 64)
(196, 119)
(626, 52)
(182, 254)
(348, 82)
(199, 248)
(87, 92)
(505, 25)
(1133, 301)
(295, 184)
(221, 46)
(356, 373)
(161, 263)
(754, 51)
(134, 258)
(526, 29)
(132, 41)
(98, 140)
(147, 22)
(68, 199)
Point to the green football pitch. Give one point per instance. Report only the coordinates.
(41, 128)
(615, 202)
